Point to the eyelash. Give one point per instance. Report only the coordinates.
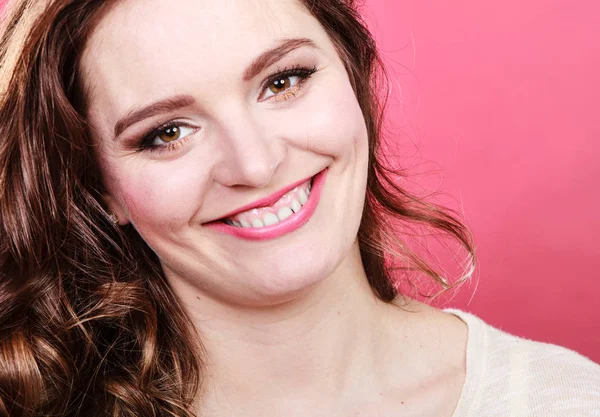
(303, 73)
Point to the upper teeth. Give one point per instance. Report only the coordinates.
(253, 218)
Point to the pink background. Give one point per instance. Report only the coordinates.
(503, 97)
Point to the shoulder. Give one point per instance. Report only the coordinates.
(531, 378)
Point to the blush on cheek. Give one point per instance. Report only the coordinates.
(163, 196)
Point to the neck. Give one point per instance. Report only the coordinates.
(313, 351)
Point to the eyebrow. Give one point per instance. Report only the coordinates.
(259, 64)
(273, 55)
(163, 106)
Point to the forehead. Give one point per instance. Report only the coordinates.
(144, 49)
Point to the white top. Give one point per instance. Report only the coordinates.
(508, 376)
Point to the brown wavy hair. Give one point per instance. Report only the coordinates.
(88, 323)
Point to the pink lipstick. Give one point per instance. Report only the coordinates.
(276, 215)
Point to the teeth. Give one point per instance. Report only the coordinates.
(284, 213)
(302, 196)
(296, 206)
(270, 219)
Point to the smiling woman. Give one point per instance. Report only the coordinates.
(196, 219)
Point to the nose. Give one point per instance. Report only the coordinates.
(251, 152)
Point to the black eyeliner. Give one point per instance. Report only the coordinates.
(148, 138)
(297, 70)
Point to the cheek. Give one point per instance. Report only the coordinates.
(161, 193)
(335, 124)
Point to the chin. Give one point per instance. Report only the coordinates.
(295, 272)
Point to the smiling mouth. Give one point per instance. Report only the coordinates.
(261, 220)
(290, 204)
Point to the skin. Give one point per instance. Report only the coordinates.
(285, 322)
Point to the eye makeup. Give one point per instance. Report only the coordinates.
(277, 80)
(149, 140)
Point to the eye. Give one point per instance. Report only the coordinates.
(285, 84)
(280, 85)
(170, 133)
(168, 137)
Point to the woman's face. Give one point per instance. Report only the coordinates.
(195, 124)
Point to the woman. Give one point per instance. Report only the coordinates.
(195, 218)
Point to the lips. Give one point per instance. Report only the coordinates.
(290, 223)
(288, 205)
(268, 201)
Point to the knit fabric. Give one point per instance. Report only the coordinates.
(509, 376)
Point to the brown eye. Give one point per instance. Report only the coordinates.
(280, 85)
(170, 134)
(285, 84)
